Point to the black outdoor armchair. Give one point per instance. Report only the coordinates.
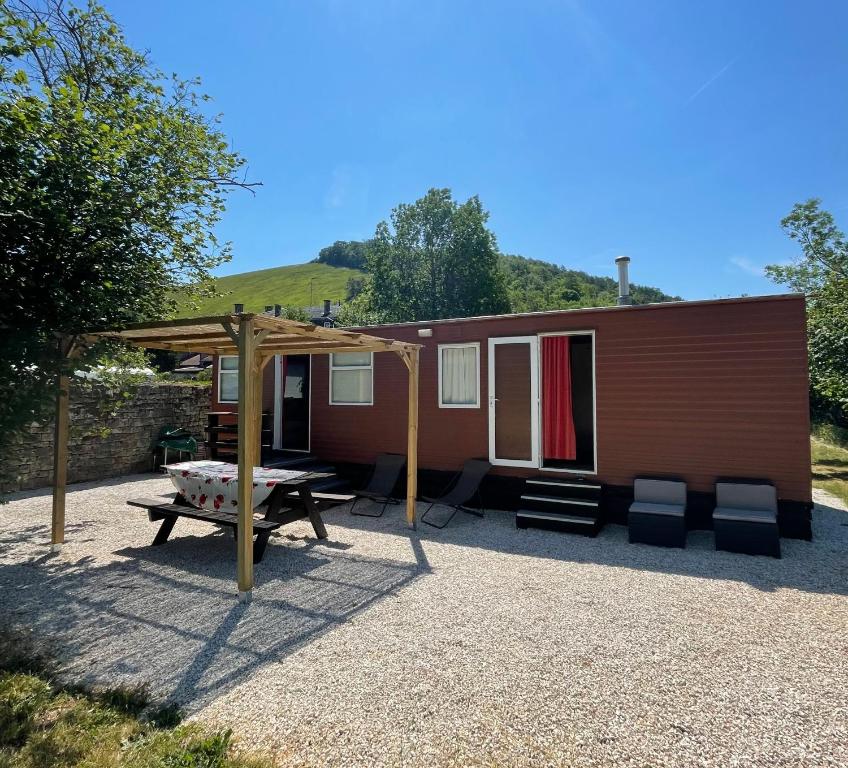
(380, 488)
(463, 488)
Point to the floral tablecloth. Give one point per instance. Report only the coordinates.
(213, 485)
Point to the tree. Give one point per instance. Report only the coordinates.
(295, 313)
(112, 179)
(437, 259)
(343, 253)
(354, 286)
(821, 273)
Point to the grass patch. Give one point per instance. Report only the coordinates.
(830, 467)
(44, 724)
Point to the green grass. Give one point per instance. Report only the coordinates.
(47, 725)
(289, 286)
(830, 467)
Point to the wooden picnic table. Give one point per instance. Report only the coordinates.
(289, 500)
(280, 507)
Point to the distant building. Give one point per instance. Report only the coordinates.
(191, 365)
(325, 315)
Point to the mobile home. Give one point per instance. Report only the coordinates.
(694, 390)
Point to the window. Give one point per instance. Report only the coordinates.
(351, 378)
(459, 375)
(228, 379)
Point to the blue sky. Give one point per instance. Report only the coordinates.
(677, 133)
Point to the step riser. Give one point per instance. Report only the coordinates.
(565, 490)
(581, 510)
(561, 526)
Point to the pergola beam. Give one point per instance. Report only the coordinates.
(221, 336)
(227, 348)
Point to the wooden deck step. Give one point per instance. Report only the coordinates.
(331, 485)
(289, 462)
(327, 500)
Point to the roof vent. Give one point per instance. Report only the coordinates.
(623, 280)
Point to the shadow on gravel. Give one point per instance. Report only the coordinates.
(168, 615)
(820, 565)
(78, 487)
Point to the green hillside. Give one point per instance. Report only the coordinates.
(288, 286)
(535, 286)
(532, 285)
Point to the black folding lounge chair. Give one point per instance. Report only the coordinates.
(462, 488)
(382, 483)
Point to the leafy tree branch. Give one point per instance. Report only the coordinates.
(113, 177)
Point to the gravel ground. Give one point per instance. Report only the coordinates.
(476, 645)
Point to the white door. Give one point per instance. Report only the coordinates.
(514, 401)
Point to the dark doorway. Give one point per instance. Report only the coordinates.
(295, 427)
(583, 407)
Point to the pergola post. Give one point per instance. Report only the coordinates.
(60, 447)
(248, 372)
(411, 359)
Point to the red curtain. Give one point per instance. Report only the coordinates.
(559, 441)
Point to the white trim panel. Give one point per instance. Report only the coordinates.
(278, 402)
(533, 344)
(461, 345)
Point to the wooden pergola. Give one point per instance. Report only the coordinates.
(255, 339)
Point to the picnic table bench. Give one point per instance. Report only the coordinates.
(169, 513)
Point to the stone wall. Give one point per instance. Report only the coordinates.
(107, 438)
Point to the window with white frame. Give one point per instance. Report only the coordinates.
(352, 378)
(459, 375)
(228, 379)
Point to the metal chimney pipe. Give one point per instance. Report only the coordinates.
(623, 280)
(239, 308)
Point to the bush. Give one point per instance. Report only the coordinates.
(830, 433)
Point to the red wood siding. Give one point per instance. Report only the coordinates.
(698, 390)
